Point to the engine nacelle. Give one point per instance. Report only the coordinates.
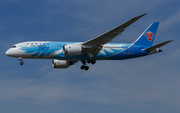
(72, 49)
(60, 63)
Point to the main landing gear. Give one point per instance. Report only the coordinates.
(84, 66)
(20, 58)
(92, 61)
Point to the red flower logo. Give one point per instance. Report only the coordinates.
(149, 35)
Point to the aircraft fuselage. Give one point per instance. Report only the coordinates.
(54, 50)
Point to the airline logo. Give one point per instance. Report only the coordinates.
(149, 35)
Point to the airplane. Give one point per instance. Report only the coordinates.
(65, 54)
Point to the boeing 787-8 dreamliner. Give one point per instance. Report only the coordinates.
(65, 54)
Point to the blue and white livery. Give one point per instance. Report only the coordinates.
(65, 54)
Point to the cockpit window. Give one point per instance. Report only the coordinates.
(13, 47)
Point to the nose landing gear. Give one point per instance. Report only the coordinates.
(21, 63)
(20, 58)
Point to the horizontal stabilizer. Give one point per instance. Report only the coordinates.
(157, 46)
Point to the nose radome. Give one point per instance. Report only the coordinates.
(8, 52)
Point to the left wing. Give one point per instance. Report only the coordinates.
(95, 44)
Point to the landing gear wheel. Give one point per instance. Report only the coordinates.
(82, 67)
(21, 63)
(84, 64)
(86, 68)
(93, 61)
(89, 61)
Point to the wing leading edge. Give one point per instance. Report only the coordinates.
(95, 44)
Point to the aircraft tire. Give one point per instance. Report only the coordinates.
(89, 61)
(86, 68)
(82, 67)
(21, 63)
(93, 61)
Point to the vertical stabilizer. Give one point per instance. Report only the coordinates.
(148, 36)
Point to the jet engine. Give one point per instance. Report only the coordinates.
(61, 63)
(73, 49)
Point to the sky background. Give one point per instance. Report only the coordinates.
(143, 85)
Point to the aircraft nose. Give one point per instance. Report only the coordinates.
(8, 52)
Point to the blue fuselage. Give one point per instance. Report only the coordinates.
(54, 50)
